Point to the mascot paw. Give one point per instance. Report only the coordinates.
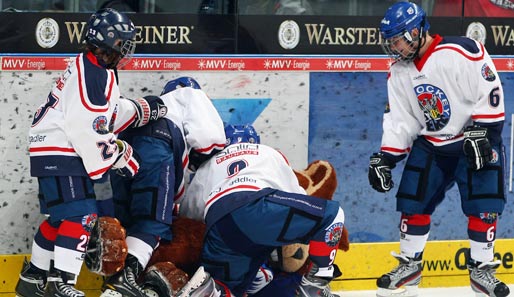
(164, 279)
(107, 248)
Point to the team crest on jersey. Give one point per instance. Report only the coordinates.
(101, 125)
(88, 221)
(333, 234)
(435, 106)
(487, 73)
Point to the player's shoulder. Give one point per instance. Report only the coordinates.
(462, 46)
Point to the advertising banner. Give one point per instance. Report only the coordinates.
(243, 34)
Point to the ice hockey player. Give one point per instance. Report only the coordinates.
(190, 133)
(73, 144)
(253, 203)
(446, 112)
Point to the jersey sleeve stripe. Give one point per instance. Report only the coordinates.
(98, 173)
(489, 116)
(83, 96)
(180, 192)
(51, 149)
(211, 147)
(111, 83)
(124, 126)
(394, 150)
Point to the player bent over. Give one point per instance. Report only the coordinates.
(446, 111)
(254, 204)
(76, 146)
(190, 133)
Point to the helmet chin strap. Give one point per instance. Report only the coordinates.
(422, 39)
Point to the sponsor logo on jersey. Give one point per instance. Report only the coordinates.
(235, 167)
(237, 150)
(333, 234)
(100, 125)
(435, 106)
(88, 221)
(487, 73)
(37, 138)
(47, 33)
(288, 34)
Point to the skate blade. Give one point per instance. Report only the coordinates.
(150, 292)
(111, 293)
(196, 281)
(407, 291)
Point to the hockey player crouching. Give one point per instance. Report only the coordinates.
(254, 204)
(190, 133)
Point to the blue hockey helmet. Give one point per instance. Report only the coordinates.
(111, 30)
(398, 23)
(241, 133)
(181, 82)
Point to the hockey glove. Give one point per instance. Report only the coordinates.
(477, 148)
(148, 108)
(127, 163)
(379, 174)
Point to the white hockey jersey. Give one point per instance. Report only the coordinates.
(73, 132)
(239, 167)
(197, 118)
(454, 84)
(192, 111)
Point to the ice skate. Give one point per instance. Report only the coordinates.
(122, 284)
(482, 279)
(30, 284)
(202, 284)
(61, 284)
(403, 280)
(312, 285)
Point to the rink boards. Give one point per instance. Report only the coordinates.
(444, 265)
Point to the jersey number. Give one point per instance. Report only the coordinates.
(83, 243)
(51, 102)
(494, 97)
(107, 148)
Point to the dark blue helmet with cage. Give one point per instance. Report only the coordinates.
(110, 30)
(399, 22)
(241, 133)
(181, 82)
